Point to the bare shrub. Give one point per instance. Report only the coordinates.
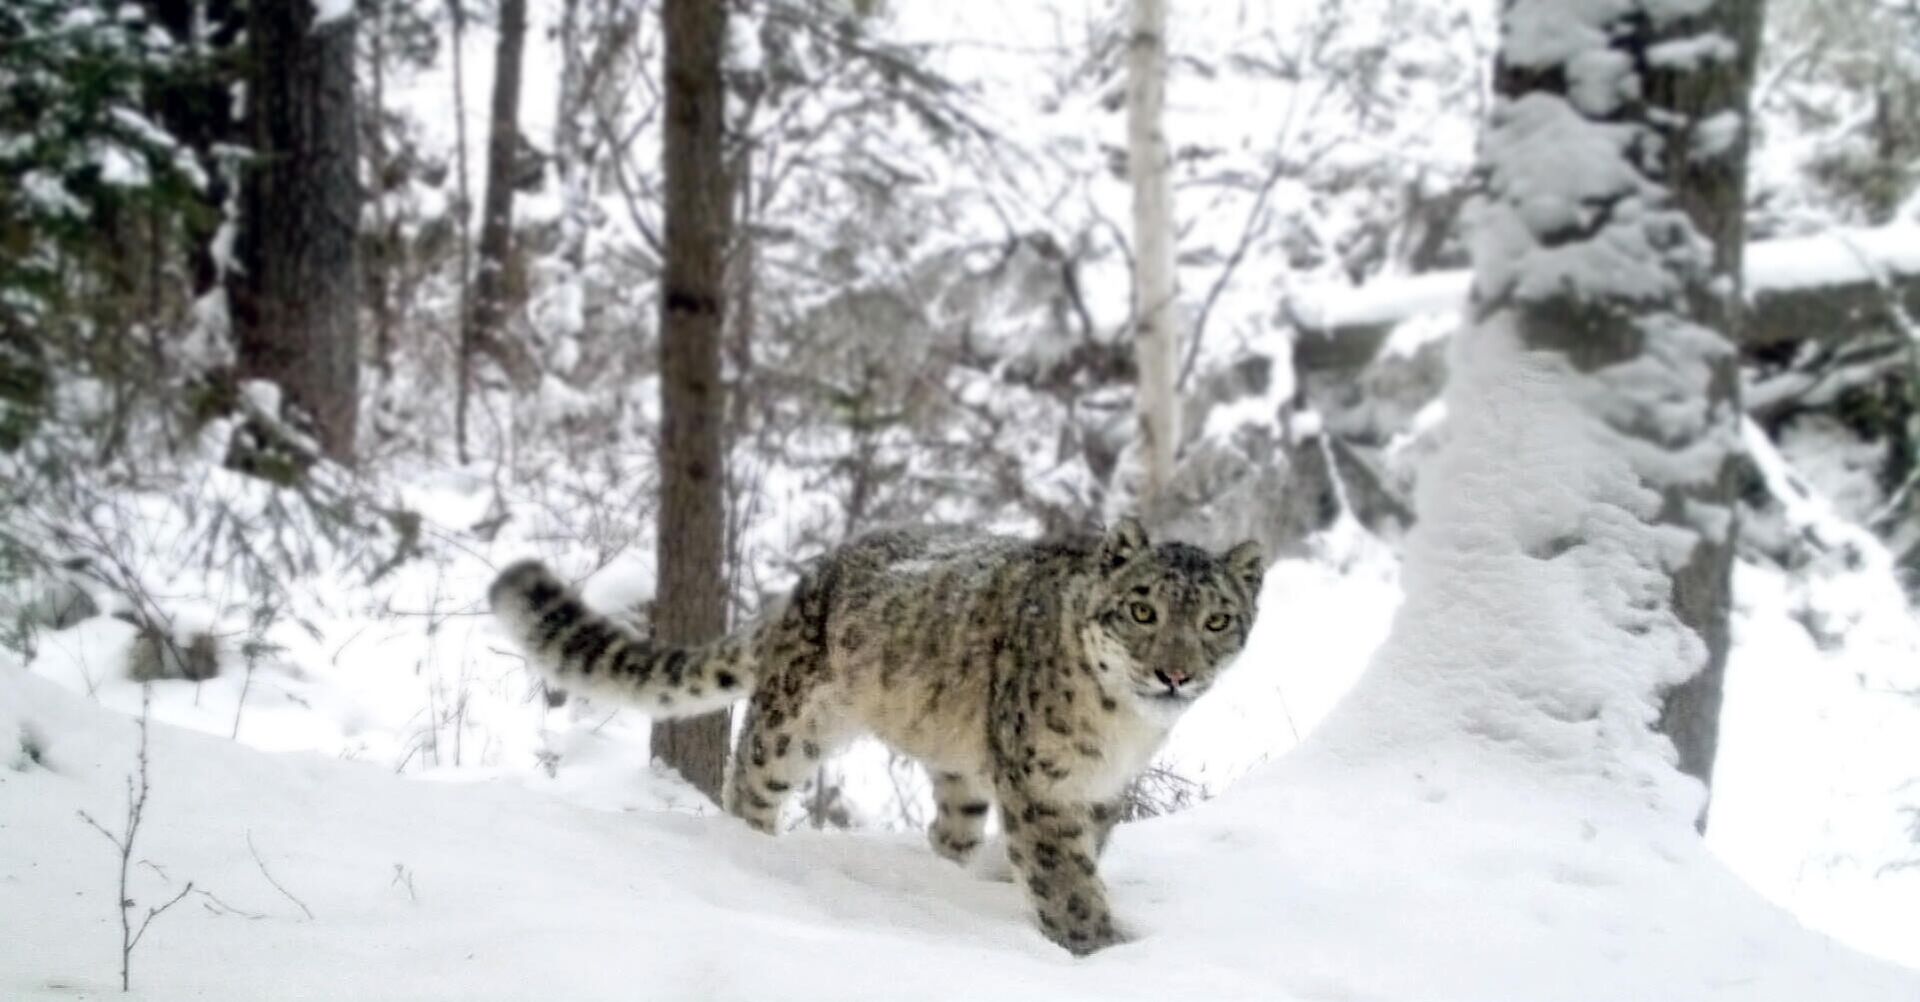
(137, 789)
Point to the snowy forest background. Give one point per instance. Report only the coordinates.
(930, 317)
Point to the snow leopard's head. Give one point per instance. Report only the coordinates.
(1173, 615)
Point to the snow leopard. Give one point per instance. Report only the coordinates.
(1035, 676)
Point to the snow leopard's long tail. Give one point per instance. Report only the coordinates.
(582, 651)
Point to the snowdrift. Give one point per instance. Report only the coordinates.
(1312, 879)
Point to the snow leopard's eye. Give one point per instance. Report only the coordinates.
(1218, 621)
(1142, 613)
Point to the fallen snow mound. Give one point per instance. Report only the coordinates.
(1308, 880)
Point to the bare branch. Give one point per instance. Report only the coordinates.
(154, 913)
(269, 875)
(1248, 230)
(219, 907)
(137, 790)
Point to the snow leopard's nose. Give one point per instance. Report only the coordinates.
(1172, 679)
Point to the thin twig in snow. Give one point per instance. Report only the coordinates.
(137, 789)
(153, 913)
(403, 877)
(269, 875)
(219, 907)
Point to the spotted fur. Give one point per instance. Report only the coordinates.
(1038, 677)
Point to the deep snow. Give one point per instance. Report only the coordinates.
(1308, 880)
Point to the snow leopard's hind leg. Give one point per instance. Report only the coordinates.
(790, 725)
(961, 803)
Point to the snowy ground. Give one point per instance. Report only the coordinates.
(1810, 757)
(1306, 878)
(1816, 746)
(1309, 880)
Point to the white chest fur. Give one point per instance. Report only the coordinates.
(1129, 747)
(1128, 736)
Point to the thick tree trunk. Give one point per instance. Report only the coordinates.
(1707, 173)
(692, 604)
(1156, 346)
(295, 301)
(1657, 335)
(488, 311)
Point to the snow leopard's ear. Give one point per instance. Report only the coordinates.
(1247, 563)
(1125, 543)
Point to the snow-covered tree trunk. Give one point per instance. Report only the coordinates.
(296, 295)
(1567, 583)
(692, 598)
(1155, 345)
(1697, 77)
(1669, 81)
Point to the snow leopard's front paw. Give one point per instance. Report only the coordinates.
(1086, 933)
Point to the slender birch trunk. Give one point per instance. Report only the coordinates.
(1155, 343)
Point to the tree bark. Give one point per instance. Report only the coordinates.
(488, 314)
(380, 254)
(1656, 353)
(295, 301)
(1712, 191)
(691, 606)
(1155, 343)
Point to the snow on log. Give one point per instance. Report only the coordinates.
(1822, 286)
